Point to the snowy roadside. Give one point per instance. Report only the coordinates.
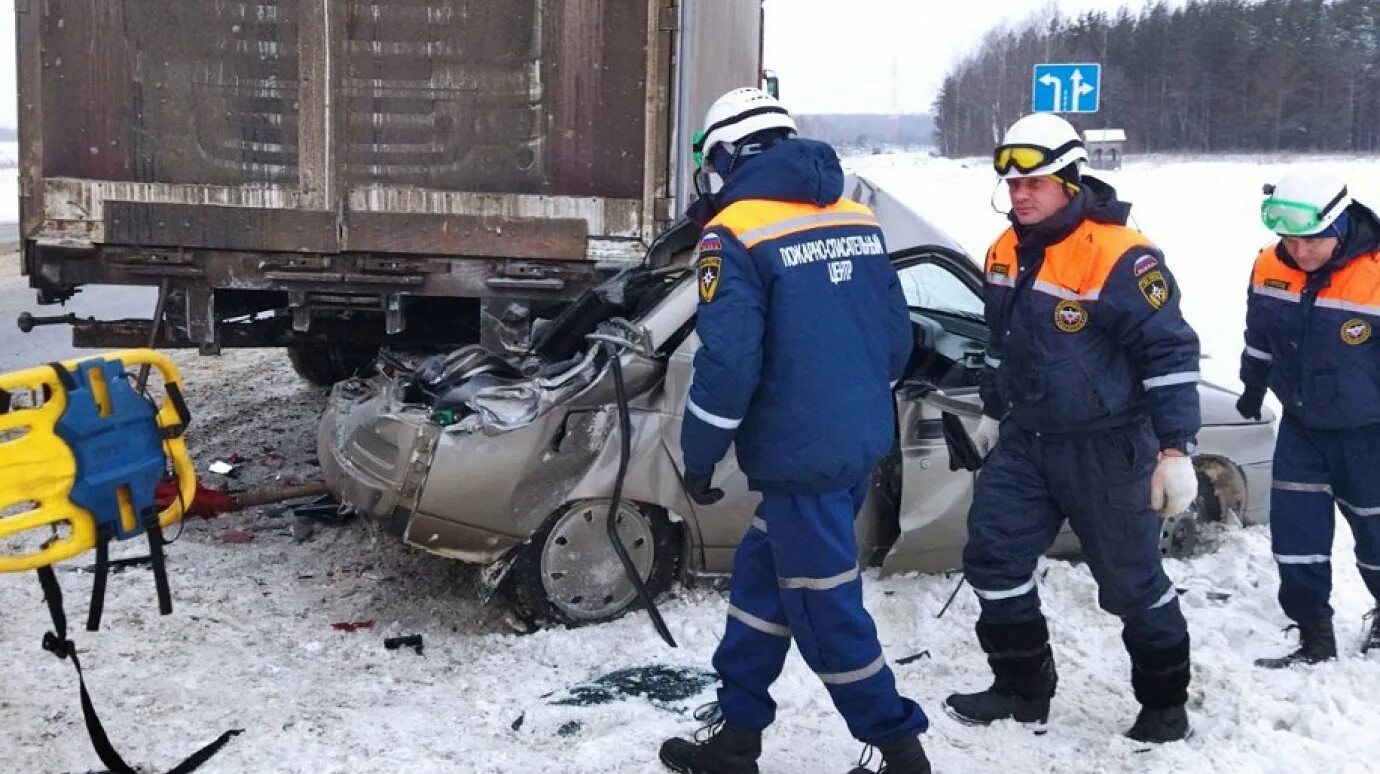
(250, 643)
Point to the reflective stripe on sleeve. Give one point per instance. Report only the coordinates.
(723, 423)
(1168, 380)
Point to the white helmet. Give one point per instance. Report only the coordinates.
(1304, 203)
(1038, 145)
(738, 114)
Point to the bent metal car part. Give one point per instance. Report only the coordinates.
(509, 463)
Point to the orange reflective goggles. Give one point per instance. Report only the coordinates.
(1028, 158)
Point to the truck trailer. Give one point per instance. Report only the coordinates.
(330, 176)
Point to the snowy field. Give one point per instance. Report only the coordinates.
(9, 182)
(250, 644)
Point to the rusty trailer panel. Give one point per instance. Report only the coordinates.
(154, 224)
(519, 96)
(510, 237)
(281, 151)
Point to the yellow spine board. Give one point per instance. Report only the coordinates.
(39, 468)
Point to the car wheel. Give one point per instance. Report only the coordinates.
(1182, 536)
(569, 573)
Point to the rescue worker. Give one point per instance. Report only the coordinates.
(1091, 413)
(803, 326)
(1310, 317)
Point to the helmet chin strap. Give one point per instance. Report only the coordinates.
(992, 200)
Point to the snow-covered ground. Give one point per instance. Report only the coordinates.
(250, 644)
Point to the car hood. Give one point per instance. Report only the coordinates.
(903, 227)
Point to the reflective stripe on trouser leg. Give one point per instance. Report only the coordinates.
(1355, 462)
(816, 556)
(756, 637)
(1366, 529)
(1302, 523)
(1010, 525)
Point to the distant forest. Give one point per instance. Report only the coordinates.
(1214, 75)
(8, 135)
(870, 131)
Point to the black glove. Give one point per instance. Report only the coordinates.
(701, 489)
(1248, 405)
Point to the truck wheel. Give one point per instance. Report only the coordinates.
(570, 574)
(325, 364)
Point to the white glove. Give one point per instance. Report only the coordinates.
(986, 434)
(1174, 485)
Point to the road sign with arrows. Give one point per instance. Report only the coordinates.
(1067, 88)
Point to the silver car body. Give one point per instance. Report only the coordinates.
(526, 446)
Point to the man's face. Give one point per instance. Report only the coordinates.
(1311, 254)
(1035, 199)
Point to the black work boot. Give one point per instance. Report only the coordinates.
(718, 748)
(1160, 678)
(1025, 678)
(903, 756)
(1372, 640)
(1317, 643)
(1159, 726)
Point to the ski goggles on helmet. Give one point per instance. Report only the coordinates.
(1028, 158)
(697, 147)
(1301, 219)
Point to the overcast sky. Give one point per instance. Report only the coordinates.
(855, 56)
(885, 56)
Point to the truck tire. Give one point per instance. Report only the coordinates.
(325, 364)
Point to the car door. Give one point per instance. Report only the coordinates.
(943, 289)
(944, 292)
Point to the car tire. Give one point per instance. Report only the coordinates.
(1181, 536)
(325, 364)
(569, 573)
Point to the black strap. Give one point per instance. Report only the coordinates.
(69, 383)
(93, 616)
(56, 642)
(158, 560)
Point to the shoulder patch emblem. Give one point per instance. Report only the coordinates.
(1070, 316)
(711, 268)
(1356, 331)
(1276, 284)
(1001, 270)
(1143, 264)
(1155, 288)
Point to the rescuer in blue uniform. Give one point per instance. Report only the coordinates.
(803, 330)
(1091, 410)
(1310, 320)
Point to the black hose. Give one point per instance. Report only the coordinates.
(624, 453)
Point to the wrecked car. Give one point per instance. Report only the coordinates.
(511, 462)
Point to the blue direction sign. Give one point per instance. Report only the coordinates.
(1067, 88)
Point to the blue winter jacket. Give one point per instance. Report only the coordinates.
(1086, 332)
(1310, 337)
(803, 327)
